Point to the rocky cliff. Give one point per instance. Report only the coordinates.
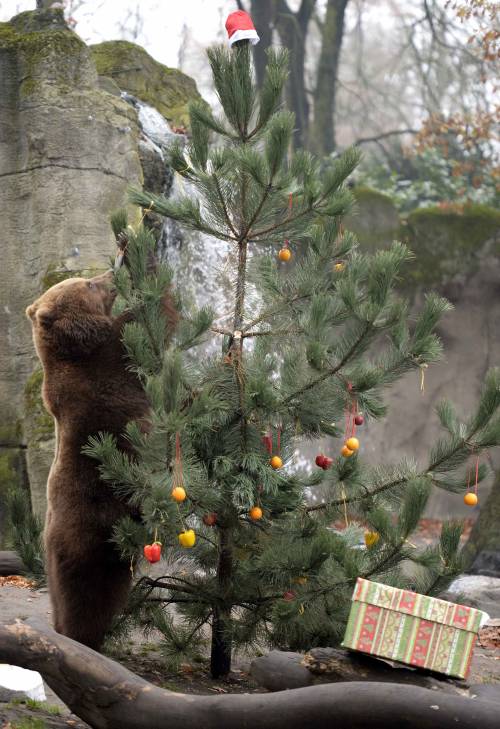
(69, 148)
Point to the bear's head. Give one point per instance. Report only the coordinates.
(73, 318)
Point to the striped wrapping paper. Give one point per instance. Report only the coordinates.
(411, 628)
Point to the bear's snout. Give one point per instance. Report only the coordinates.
(105, 286)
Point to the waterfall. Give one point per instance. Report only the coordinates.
(199, 261)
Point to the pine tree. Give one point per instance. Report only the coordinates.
(309, 344)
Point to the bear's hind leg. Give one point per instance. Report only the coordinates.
(88, 596)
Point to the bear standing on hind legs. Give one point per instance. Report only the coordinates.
(87, 388)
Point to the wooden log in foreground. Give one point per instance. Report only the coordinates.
(11, 564)
(108, 696)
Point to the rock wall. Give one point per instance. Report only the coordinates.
(456, 253)
(69, 148)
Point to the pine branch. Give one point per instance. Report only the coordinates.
(224, 206)
(333, 370)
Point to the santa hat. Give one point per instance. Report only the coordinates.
(239, 26)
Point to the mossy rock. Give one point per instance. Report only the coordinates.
(448, 243)
(40, 40)
(134, 70)
(57, 272)
(41, 422)
(375, 220)
(12, 478)
(10, 433)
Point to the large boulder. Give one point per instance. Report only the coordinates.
(134, 70)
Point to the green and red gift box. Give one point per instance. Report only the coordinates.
(414, 629)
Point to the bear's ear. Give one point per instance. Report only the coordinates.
(80, 334)
(43, 316)
(31, 311)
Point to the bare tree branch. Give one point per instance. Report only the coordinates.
(105, 694)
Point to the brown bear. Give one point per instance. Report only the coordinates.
(88, 388)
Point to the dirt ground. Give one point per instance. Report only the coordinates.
(141, 656)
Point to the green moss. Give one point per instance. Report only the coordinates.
(11, 478)
(55, 273)
(446, 243)
(29, 722)
(10, 433)
(134, 70)
(42, 423)
(35, 705)
(41, 41)
(368, 194)
(8, 476)
(46, 19)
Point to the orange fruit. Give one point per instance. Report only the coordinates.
(255, 513)
(371, 538)
(276, 462)
(178, 494)
(339, 267)
(352, 444)
(346, 452)
(285, 254)
(470, 499)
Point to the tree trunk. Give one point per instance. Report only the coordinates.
(292, 29)
(263, 14)
(222, 640)
(106, 695)
(322, 135)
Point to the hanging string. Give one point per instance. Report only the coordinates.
(290, 203)
(278, 439)
(353, 417)
(468, 478)
(350, 417)
(156, 534)
(345, 506)
(183, 524)
(423, 367)
(477, 475)
(177, 481)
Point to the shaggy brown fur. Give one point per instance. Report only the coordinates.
(87, 388)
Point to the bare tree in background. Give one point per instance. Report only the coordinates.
(322, 135)
(131, 27)
(292, 28)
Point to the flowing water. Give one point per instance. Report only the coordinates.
(202, 264)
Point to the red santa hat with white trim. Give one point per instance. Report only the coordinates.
(239, 26)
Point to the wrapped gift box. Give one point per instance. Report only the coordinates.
(414, 629)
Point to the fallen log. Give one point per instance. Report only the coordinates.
(11, 564)
(108, 696)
